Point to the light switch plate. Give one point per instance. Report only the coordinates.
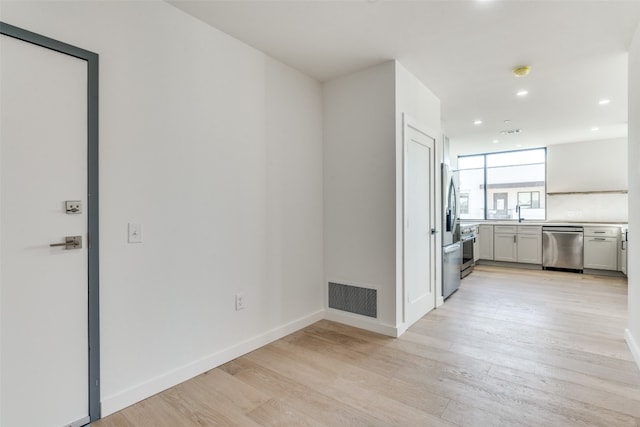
(239, 302)
(135, 233)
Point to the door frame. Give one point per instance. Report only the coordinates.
(409, 122)
(93, 320)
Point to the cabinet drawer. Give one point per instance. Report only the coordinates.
(529, 229)
(505, 229)
(601, 231)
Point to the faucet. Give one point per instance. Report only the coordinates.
(519, 210)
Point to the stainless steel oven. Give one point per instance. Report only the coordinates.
(468, 235)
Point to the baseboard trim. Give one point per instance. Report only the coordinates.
(509, 264)
(128, 397)
(609, 273)
(633, 346)
(361, 322)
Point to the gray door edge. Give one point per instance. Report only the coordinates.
(92, 198)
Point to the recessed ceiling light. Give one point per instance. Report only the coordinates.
(595, 128)
(507, 121)
(477, 122)
(522, 93)
(518, 145)
(495, 141)
(604, 101)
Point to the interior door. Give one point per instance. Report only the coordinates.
(419, 241)
(44, 346)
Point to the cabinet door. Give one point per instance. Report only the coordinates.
(530, 248)
(485, 237)
(601, 253)
(505, 247)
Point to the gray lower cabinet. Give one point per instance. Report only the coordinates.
(523, 244)
(601, 248)
(518, 244)
(529, 244)
(505, 244)
(485, 242)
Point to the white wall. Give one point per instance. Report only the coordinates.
(363, 175)
(632, 334)
(217, 150)
(609, 208)
(417, 101)
(359, 187)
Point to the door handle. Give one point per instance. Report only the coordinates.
(70, 242)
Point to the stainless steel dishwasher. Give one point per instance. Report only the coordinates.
(562, 247)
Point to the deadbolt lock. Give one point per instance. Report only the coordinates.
(73, 206)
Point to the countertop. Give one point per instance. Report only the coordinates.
(552, 223)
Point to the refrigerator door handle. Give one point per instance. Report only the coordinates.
(452, 248)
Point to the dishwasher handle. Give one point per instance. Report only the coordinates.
(574, 230)
(575, 233)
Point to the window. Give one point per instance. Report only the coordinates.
(496, 183)
(464, 203)
(472, 185)
(529, 199)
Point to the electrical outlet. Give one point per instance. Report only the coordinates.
(239, 302)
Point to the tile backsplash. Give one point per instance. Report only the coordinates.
(588, 207)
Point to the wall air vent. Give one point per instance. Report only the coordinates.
(510, 131)
(353, 299)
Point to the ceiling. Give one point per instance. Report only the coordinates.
(464, 51)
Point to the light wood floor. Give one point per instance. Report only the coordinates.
(511, 347)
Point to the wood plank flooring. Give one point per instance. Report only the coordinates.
(511, 348)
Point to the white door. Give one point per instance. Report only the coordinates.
(43, 289)
(419, 242)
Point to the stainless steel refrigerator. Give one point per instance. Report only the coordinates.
(451, 246)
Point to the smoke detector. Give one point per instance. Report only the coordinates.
(521, 71)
